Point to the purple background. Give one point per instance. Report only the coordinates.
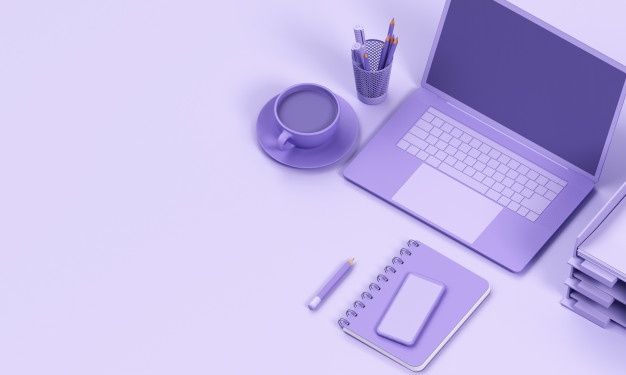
(144, 232)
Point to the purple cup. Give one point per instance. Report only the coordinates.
(308, 115)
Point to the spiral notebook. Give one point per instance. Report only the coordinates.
(464, 292)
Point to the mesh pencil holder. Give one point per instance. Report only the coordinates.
(371, 85)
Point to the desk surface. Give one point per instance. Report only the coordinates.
(144, 232)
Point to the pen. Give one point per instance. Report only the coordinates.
(327, 288)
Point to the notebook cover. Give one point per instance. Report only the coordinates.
(464, 292)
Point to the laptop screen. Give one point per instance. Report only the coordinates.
(528, 79)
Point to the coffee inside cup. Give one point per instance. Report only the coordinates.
(307, 111)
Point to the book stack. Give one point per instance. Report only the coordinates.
(596, 286)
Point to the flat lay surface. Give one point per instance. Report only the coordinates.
(145, 231)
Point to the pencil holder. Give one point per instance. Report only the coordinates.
(371, 85)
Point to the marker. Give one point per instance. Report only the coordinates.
(359, 34)
(327, 288)
(356, 47)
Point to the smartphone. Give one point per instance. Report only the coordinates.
(410, 309)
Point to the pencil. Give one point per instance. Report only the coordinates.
(392, 50)
(330, 285)
(392, 24)
(383, 53)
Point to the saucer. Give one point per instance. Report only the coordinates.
(342, 144)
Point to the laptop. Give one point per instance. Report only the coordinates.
(505, 137)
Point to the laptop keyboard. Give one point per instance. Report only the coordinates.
(481, 164)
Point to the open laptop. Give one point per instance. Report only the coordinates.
(506, 136)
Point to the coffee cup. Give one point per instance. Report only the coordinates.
(308, 115)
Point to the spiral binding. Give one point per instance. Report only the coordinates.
(374, 288)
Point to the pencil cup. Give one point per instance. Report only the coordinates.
(371, 85)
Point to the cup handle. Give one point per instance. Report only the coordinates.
(283, 140)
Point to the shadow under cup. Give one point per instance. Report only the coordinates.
(308, 115)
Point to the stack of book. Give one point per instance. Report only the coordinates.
(596, 286)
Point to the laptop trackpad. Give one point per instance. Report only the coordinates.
(447, 203)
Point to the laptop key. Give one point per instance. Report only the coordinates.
(475, 143)
(433, 161)
(489, 181)
(536, 202)
(511, 173)
(541, 190)
(436, 132)
(419, 132)
(403, 144)
(504, 159)
(489, 171)
(554, 186)
(532, 185)
(550, 195)
(532, 216)
(422, 155)
(504, 201)
(428, 116)
(493, 195)
(523, 169)
(513, 164)
(522, 211)
(514, 206)
(412, 150)
(502, 168)
(460, 176)
(424, 125)
(437, 122)
(541, 180)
